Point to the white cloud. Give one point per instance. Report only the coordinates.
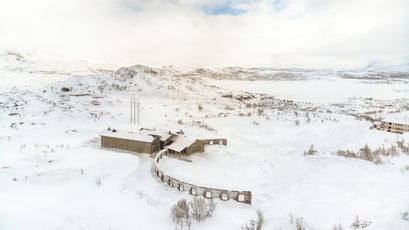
(303, 33)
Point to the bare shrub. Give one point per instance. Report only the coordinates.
(205, 126)
(260, 220)
(311, 151)
(98, 181)
(346, 153)
(255, 224)
(401, 145)
(227, 107)
(251, 225)
(359, 224)
(405, 168)
(184, 212)
(405, 216)
(392, 151)
(366, 153)
(211, 207)
(297, 122)
(199, 107)
(180, 214)
(201, 209)
(338, 227)
(299, 224)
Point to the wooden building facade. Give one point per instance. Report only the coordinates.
(394, 127)
(184, 145)
(134, 142)
(150, 141)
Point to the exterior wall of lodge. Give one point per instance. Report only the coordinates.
(156, 145)
(197, 146)
(221, 141)
(130, 145)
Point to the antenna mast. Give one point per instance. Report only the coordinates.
(137, 105)
(135, 111)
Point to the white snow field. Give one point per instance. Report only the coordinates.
(55, 175)
(331, 91)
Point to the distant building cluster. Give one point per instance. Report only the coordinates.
(392, 126)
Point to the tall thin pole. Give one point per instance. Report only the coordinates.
(135, 110)
(130, 115)
(137, 103)
(134, 120)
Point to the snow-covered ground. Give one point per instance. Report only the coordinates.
(54, 175)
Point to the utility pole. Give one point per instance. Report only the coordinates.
(130, 115)
(137, 105)
(135, 111)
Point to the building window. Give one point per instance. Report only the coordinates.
(241, 198)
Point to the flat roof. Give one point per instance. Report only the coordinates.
(181, 143)
(164, 136)
(128, 135)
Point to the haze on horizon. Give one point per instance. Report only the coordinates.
(277, 33)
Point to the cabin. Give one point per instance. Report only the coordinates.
(395, 127)
(129, 141)
(185, 145)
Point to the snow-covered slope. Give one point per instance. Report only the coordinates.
(30, 70)
(54, 175)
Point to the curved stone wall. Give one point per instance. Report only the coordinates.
(195, 190)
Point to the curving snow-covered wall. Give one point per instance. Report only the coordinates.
(195, 190)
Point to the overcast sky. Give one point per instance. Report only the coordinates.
(278, 33)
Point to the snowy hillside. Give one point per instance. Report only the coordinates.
(286, 130)
(31, 70)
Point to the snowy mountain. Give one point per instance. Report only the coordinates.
(31, 62)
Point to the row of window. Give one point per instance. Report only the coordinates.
(396, 124)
